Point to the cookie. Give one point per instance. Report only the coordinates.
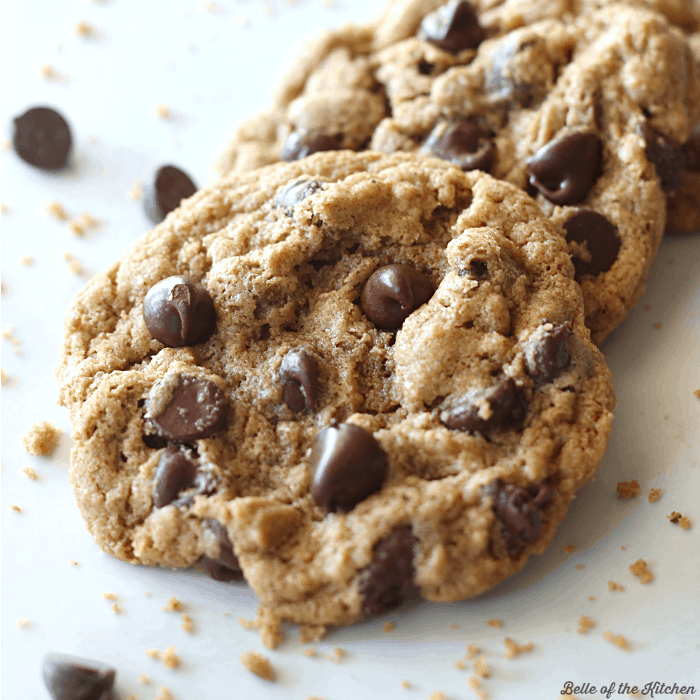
(341, 379)
(567, 100)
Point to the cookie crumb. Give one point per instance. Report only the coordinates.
(388, 627)
(163, 111)
(475, 684)
(153, 653)
(494, 622)
(6, 145)
(481, 668)
(312, 633)
(514, 649)
(210, 6)
(269, 624)
(17, 509)
(24, 622)
(56, 211)
(460, 665)
(591, 598)
(133, 697)
(174, 605)
(110, 596)
(136, 190)
(405, 684)
(580, 567)
(187, 623)
(472, 651)
(164, 694)
(4, 377)
(86, 30)
(73, 562)
(437, 695)
(612, 586)
(656, 325)
(654, 495)
(623, 548)
(169, 658)
(143, 678)
(639, 569)
(75, 266)
(31, 473)
(646, 307)
(684, 522)
(4, 209)
(585, 623)
(454, 626)
(26, 261)
(338, 654)
(41, 439)
(258, 664)
(48, 72)
(310, 652)
(678, 519)
(617, 639)
(628, 489)
(697, 393)
(568, 549)
(116, 608)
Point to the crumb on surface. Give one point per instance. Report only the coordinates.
(568, 548)
(312, 633)
(475, 684)
(405, 684)
(580, 567)
(494, 622)
(17, 509)
(258, 664)
(48, 72)
(310, 652)
(187, 623)
(454, 626)
(73, 562)
(31, 473)
(86, 30)
(57, 211)
(153, 653)
(437, 695)
(75, 266)
(678, 519)
(269, 624)
(210, 6)
(41, 439)
(617, 639)
(654, 495)
(6, 145)
(116, 608)
(481, 668)
(174, 605)
(163, 111)
(697, 393)
(338, 654)
(136, 190)
(169, 658)
(623, 548)
(460, 665)
(612, 586)
(109, 596)
(26, 261)
(656, 325)
(388, 627)
(628, 489)
(591, 598)
(514, 649)
(4, 209)
(164, 694)
(585, 623)
(472, 651)
(143, 678)
(639, 569)
(24, 622)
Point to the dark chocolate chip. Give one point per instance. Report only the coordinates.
(547, 353)
(506, 409)
(42, 138)
(454, 27)
(299, 145)
(478, 269)
(665, 154)
(601, 240)
(177, 311)
(299, 374)
(691, 149)
(391, 575)
(392, 293)
(226, 566)
(176, 472)
(463, 144)
(425, 67)
(347, 465)
(564, 170)
(197, 408)
(72, 678)
(154, 442)
(170, 186)
(295, 193)
(520, 512)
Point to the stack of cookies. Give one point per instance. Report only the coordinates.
(370, 366)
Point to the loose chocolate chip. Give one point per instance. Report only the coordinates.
(601, 241)
(299, 145)
(463, 144)
(176, 472)
(520, 512)
(42, 138)
(295, 193)
(392, 293)
(506, 409)
(564, 170)
(547, 354)
(299, 374)
(391, 575)
(197, 408)
(347, 465)
(170, 186)
(691, 150)
(454, 27)
(226, 566)
(665, 154)
(177, 311)
(72, 678)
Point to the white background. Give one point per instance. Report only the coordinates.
(211, 72)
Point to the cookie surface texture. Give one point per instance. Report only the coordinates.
(568, 100)
(338, 462)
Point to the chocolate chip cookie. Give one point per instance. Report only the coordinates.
(341, 379)
(571, 101)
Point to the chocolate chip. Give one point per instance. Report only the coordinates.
(501, 406)
(42, 138)
(478, 269)
(454, 27)
(546, 353)
(392, 293)
(72, 678)
(425, 67)
(299, 374)
(391, 575)
(520, 512)
(226, 566)
(196, 408)
(463, 144)
(177, 311)
(295, 193)
(602, 243)
(347, 465)
(170, 186)
(299, 145)
(175, 473)
(564, 170)
(665, 154)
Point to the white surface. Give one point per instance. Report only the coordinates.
(211, 73)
